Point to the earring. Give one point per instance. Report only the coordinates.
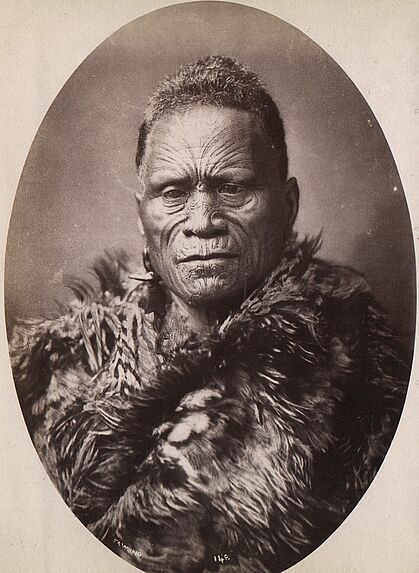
(155, 299)
(150, 275)
(147, 262)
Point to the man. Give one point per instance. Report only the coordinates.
(231, 412)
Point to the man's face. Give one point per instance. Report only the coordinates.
(214, 210)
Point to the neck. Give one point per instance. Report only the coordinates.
(200, 320)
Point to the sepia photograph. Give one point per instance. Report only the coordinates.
(209, 296)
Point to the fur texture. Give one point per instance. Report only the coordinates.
(247, 448)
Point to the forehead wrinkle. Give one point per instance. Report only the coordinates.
(162, 161)
(228, 155)
(225, 130)
(234, 158)
(215, 135)
(168, 154)
(214, 145)
(171, 139)
(227, 148)
(181, 138)
(223, 146)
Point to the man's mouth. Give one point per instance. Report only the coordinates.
(207, 257)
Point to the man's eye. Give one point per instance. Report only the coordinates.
(174, 194)
(230, 189)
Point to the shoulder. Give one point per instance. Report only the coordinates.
(308, 290)
(338, 295)
(310, 309)
(315, 274)
(73, 347)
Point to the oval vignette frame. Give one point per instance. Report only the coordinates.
(95, 102)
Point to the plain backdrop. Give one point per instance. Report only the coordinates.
(42, 43)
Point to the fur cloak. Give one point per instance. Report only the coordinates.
(240, 452)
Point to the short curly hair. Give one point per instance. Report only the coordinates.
(222, 82)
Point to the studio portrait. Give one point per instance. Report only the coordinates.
(210, 292)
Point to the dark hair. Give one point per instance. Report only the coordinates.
(219, 81)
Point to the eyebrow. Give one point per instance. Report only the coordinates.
(238, 172)
(163, 178)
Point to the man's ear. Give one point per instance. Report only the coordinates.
(138, 197)
(140, 226)
(292, 198)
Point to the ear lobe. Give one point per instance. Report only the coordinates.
(138, 197)
(292, 197)
(140, 226)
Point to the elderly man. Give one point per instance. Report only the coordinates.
(230, 409)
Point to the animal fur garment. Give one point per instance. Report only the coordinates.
(238, 452)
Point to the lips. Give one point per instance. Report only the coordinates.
(206, 257)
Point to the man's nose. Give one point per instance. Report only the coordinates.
(202, 216)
